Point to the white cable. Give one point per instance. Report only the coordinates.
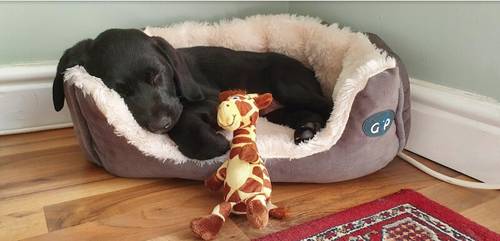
(448, 179)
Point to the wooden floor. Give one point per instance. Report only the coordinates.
(48, 191)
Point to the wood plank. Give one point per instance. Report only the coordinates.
(41, 136)
(38, 200)
(458, 198)
(50, 171)
(79, 211)
(38, 146)
(22, 216)
(486, 214)
(21, 224)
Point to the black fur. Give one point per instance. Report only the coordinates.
(175, 90)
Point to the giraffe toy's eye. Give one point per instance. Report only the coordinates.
(235, 98)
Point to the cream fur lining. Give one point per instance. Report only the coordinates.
(340, 58)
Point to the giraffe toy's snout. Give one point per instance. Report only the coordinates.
(228, 116)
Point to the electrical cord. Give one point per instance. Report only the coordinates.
(448, 179)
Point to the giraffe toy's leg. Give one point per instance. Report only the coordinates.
(257, 212)
(215, 182)
(209, 226)
(275, 211)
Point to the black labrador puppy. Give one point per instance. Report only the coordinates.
(175, 91)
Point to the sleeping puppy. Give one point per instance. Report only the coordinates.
(175, 91)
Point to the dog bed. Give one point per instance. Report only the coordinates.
(368, 126)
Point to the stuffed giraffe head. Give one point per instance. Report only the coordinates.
(238, 109)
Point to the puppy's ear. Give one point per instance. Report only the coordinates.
(263, 101)
(185, 82)
(75, 55)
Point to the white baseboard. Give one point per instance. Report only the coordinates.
(26, 99)
(457, 129)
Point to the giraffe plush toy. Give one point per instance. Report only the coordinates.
(244, 179)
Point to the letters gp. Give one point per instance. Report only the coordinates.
(378, 123)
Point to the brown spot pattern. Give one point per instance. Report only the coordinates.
(238, 140)
(251, 185)
(235, 197)
(257, 171)
(234, 151)
(240, 207)
(243, 107)
(249, 153)
(240, 132)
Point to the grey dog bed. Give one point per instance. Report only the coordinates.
(368, 126)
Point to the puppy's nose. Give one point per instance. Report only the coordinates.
(161, 126)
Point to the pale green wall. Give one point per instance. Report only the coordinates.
(453, 44)
(33, 32)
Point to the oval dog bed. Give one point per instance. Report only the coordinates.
(368, 126)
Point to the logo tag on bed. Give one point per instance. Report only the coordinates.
(378, 123)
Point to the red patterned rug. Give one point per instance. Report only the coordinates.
(406, 215)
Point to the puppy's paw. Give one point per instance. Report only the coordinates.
(306, 132)
(221, 145)
(214, 147)
(206, 147)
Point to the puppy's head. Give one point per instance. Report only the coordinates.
(146, 71)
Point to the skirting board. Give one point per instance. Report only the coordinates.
(452, 127)
(457, 129)
(26, 99)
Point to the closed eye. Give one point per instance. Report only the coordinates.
(153, 77)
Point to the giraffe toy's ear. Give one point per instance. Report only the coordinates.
(228, 93)
(263, 101)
